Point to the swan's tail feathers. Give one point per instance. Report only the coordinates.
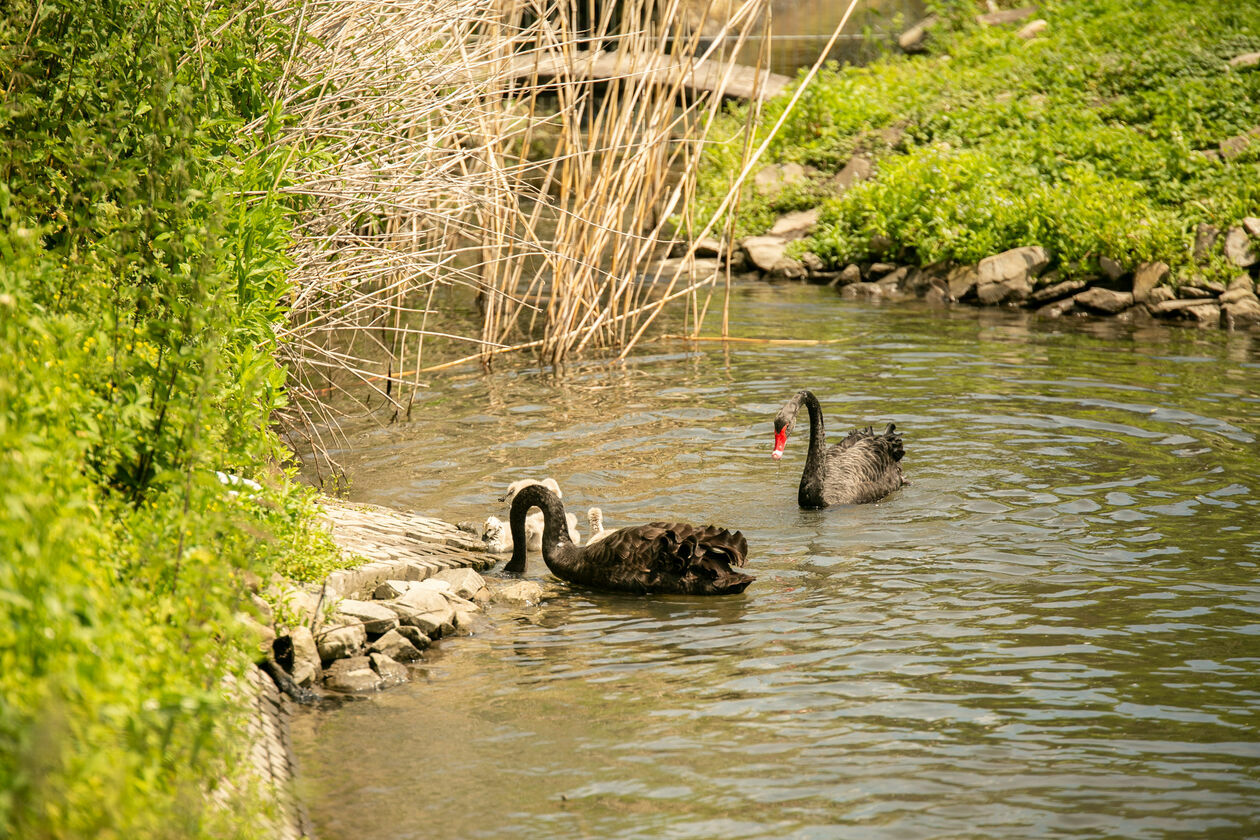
(701, 560)
(895, 447)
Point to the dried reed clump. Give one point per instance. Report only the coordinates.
(424, 120)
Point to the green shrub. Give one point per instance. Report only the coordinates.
(1096, 139)
(141, 275)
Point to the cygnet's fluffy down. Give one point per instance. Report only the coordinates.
(534, 521)
(595, 517)
(496, 535)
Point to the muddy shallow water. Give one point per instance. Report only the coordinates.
(1053, 631)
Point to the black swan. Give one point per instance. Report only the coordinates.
(663, 557)
(864, 467)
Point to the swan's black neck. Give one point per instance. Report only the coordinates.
(810, 493)
(555, 537)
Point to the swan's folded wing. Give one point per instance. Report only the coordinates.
(678, 557)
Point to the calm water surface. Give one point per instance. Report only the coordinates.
(1053, 631)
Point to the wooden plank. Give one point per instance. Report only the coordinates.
(604, 66)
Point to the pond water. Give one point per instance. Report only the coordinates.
(1053, 631)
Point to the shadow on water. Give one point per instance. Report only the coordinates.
(1053, 630)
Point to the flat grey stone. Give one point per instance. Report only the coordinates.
(1241, 314)
(306, 664)
(961, 281)
(1057, 309)
(354, 674)
(1242, 281)
(795, 225)
(1105, 300)
(391, 589)
(376, 619)
(340, 642)
(524, 592)
(390, 672)
(412, 634)
(1239, 249)
(396, 646)
(1026, 263)
(1057, 291)
(464, 582)
(1147, 277)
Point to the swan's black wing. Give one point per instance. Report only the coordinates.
(667, 557)
(864, 467)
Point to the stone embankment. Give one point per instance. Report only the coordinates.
(1021, 277)
(420, 583)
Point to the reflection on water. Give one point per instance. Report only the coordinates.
(1053, 631)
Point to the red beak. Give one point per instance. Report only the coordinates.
(780, 440)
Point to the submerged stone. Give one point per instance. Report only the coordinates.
(354, 674)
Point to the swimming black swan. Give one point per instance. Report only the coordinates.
(665, 557)
(864, 467)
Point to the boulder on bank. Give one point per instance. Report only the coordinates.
(396, 646)
(306, 664)
(353, 675)
(465, 583)
(1104, 300)
(524, 592)
(1146, 278)
(389, 671)
(376, 619)
(340, 642)
(1239, 249)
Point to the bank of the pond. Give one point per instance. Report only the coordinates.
(1076, 157)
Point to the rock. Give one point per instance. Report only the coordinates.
(849, 274)
(1242, 281)
(796, 225)
(263, 635)
(1241, 314)
(426, 609)
(1232, 147)
(764, 251)
(417, 570)
(1057, 309)
(1252, 226)
(1204, 312)
(390, 672)
(1014, 290)
(1159, 294)
(708, 246)
(812, 262)
(376, 618)
(1032, 29)
(895, 280)
(918, 281)
(1005, 16)
(1104, 300)
(1026, 263)
(340, 642)
(353, 674)
(300, 604)
(1111, 269)
(1212, 287)
(391, 589)
(396, 646)
(519, 592)
(412, 634)
(1193, 293)
(787, 269)
(961, 281)
(1237, 248)
(857, 169)
(937, 295)
(770, 180)
(1234, 295)
(914, 39)
(685, 265)
(878, 270)
(1147, 277)
(306, 664)
(467, 620)
(1245, 61)
(864, 291)
(1056, 291)
(1204, 238)
(464, 582)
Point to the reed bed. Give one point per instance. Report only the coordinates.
(491, 175)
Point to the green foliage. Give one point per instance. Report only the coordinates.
(141, 273)
(1095, 139)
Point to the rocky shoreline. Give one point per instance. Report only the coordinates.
(1020, 277)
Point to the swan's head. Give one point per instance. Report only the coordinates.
(782, 428)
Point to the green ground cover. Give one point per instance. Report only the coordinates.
(141, 272)
(1099, 137)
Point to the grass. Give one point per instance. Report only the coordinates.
(1098, 138)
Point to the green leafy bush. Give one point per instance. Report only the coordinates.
(141, 274)
(1098, 138)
